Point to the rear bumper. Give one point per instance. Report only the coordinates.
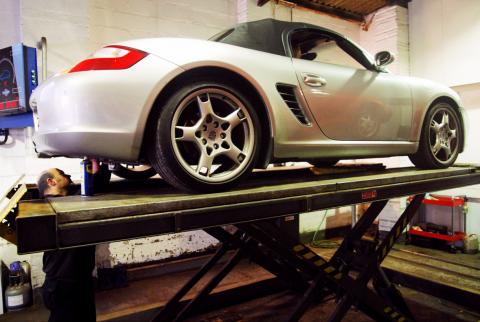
(99, 113)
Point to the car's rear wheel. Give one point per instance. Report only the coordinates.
(440, 139)
(207, 137)
(134, 172)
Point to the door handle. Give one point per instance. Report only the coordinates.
(313, 80)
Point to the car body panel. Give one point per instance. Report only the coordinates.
(104, 113)
(369, 105)
(424, 93)
(264, 71)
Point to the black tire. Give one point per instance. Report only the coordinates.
(207, 137)
(139, 173)
(441, 138)
(324, 163)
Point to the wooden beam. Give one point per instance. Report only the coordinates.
(327, 9)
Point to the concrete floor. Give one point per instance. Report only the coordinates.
(276, 308)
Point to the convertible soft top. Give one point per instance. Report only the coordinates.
(267, 35)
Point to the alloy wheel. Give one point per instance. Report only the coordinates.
(443, 139)
(212, 135)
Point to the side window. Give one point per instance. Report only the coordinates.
(327, 51)
(315, 46)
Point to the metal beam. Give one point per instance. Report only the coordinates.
(401, 3)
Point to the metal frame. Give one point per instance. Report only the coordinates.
(314, 276)
(345, 275)
(238, 206)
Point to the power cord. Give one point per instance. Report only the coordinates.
(323, 243)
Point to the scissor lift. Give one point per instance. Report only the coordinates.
(155, 209)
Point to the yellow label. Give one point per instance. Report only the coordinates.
(309, 255)
(298, 248)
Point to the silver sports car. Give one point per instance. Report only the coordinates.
(203, 113)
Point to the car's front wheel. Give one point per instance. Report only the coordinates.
(441, 138)
(207, 137)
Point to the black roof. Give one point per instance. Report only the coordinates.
(267, 35)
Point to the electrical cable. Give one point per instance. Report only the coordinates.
(322, 243)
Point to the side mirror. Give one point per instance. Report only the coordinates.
(383, 58)
(309, 56)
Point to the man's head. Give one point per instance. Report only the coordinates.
(53, 182)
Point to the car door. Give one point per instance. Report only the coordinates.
(347, 100)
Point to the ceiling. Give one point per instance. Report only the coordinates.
(347, 9)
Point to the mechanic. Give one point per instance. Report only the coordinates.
(68, 291)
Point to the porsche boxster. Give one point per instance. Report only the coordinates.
(204, 113)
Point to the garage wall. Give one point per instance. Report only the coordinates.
(444, 40)
(10, 22)
(76, 28)
(387, 29)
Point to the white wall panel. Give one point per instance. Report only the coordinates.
(10, 28)
(444, 38)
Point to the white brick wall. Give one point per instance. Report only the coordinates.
(160, 247)
(389, 31)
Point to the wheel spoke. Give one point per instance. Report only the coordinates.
(452, 134)
(235, 118)
(435, 126)
(205, 164)
(445, 120)
(206, 107)
(436, 147)
(448, 151)
(235, 154)
(188, 133)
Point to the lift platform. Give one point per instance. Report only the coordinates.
(154, 209)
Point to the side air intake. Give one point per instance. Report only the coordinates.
(290, 97)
